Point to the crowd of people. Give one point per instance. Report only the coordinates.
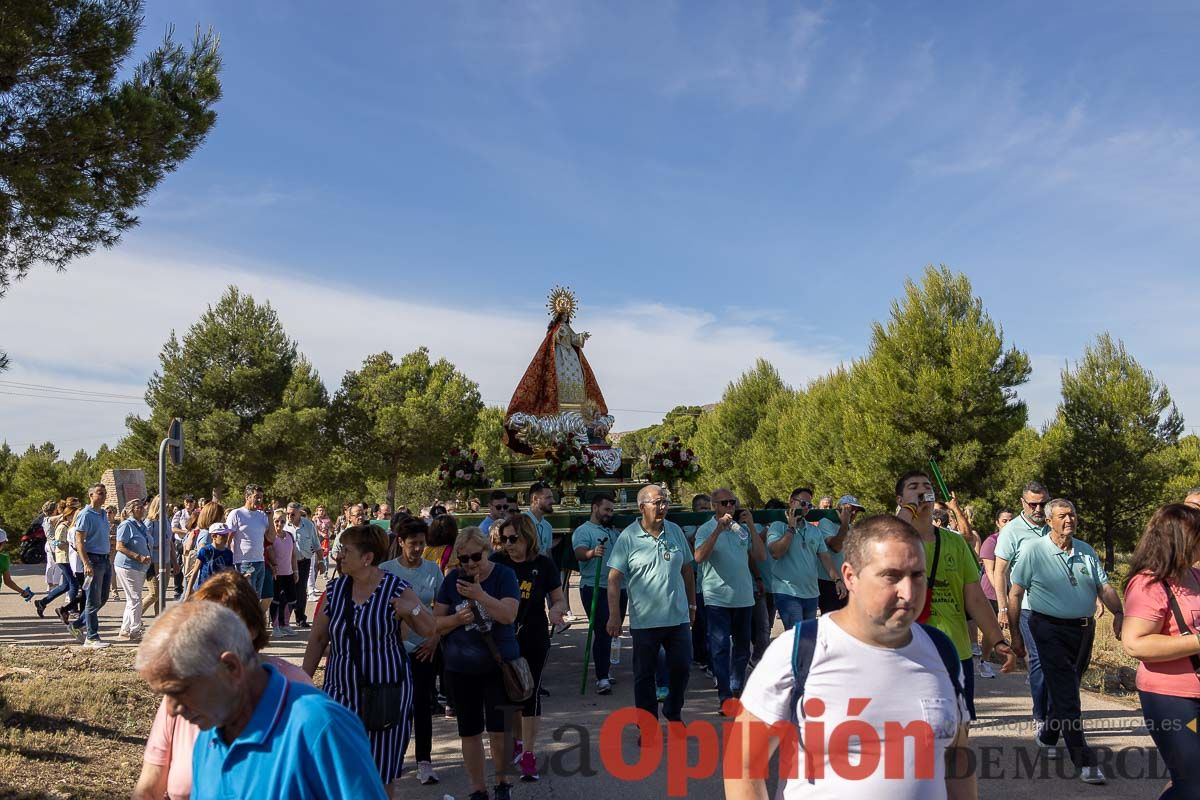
(417, 618)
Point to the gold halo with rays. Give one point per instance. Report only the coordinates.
(562, 301)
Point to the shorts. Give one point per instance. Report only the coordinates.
(479, 702)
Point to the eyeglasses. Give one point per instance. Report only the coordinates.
(1039, 504)
(656, 503)
(510, 539)
(476, 557)
(726, 502)
(803, 504)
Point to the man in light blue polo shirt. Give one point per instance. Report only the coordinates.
(1062, 578)
(724, 548)
(801, 556)
(91, 542)
(1028, 526)
(653, 559)
(593, 542)
(260, 734)
(541, 503)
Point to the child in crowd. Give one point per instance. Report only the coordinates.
(5, 563)
(214, 556)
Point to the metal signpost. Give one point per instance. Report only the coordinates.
(173, 446)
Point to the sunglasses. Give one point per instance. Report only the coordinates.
(476, 557)
(510, 539)
(726, 502)
(1042, 504)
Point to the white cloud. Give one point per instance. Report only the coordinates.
(101, 327)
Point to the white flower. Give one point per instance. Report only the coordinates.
(667, 463)
(479, 466)
(459, 474)
(695, 467)
(572, 460)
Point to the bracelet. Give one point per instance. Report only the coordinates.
(693, 608)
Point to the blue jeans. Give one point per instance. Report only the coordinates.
(677, 641)
(1167, 718)
(96, 590)
(794, 609)
(67, 587)
(256, 573)
(1037, 681)
(729, 668)
(601, 641)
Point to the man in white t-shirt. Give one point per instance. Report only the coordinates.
(871, 665)
(248, 525)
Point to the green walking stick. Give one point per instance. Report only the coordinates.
(937, 476)
(587, 650)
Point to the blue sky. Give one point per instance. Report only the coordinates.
(716, 181)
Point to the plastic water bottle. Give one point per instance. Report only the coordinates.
(614, 652)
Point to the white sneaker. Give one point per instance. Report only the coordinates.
(985, 670)
(604, 686)
(976, 650)
(569, 616)
(96, 644)
(285, 630)
(1092, 775)
(425, 773)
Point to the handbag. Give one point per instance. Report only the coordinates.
(927, 609)
(380, 705)
(518, 678)
(1184, 630)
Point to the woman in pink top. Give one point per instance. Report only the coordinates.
(1162, 631)
(167, 763)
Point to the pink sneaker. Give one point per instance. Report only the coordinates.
(529, 769)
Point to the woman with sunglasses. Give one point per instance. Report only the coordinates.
(538, 579)
(478, 597)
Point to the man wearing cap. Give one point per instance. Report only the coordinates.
(800, 553)
(307, 543)
(1062, 577)
(848, 509)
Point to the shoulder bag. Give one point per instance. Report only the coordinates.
(518, 679)
(1184, 630)
(927, 609)
(380, 705)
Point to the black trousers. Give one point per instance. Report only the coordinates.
(827, 600)
(423, 674)
(1065, 651)
(300, 597)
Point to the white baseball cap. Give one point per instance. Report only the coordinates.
(3, 535)
(850, 500)
(219, 529)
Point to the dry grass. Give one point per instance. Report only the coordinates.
(74, 723)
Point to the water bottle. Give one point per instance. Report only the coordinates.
(614, 652)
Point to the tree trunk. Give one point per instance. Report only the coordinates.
(1109, 550)
(391, 491)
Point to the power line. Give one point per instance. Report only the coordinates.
(63, 389)
(64, 441)
(76, 399)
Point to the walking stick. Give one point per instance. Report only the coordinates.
(941, 482)
(587, 650)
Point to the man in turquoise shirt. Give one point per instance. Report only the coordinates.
(260, 734)
(541, 503)
(1030, 525)
(1062, 578)
(653, 559)
(91, 542)
(800, 557)
(593, 542)
(724, 548)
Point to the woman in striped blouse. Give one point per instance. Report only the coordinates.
(360, 625)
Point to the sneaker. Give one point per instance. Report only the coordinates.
(503, 791)
(1092, 775)
(518, 749)
(661, 693)
(425, 773)
(305, 625)
(96, 644)
(562, 627)
(285, 630)
(604, 686)
(569, 616)
(528, 765)
(40, 607)
(986, 670)
(976, 650)
(77, 632)
(1048, 750)
(64, 615)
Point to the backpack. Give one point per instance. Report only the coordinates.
(805, 644)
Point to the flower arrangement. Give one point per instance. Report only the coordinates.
(673, 462)
(569, 463)
(462, 469)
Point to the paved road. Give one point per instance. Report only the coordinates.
(1010, 768)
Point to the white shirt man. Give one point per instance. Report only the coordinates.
(862, 653)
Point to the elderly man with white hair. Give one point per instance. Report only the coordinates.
(261, 735)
